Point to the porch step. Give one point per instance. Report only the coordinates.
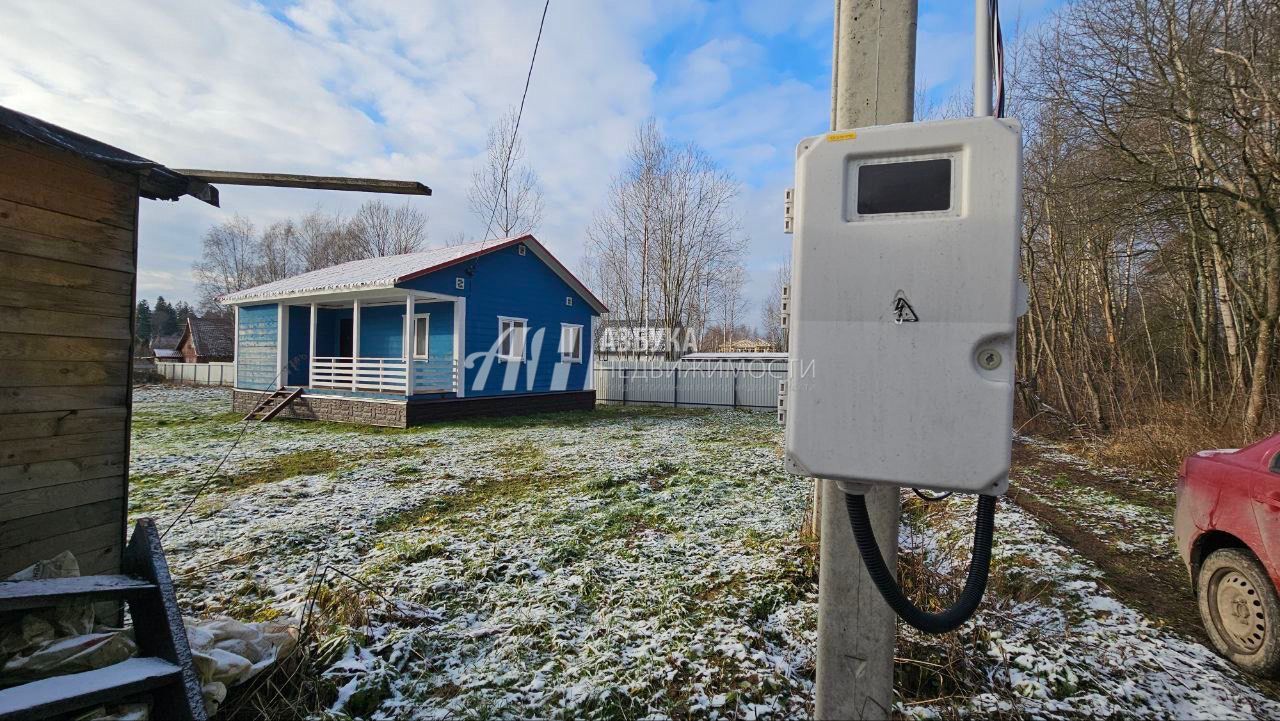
(25, 595)
(53, 696)
(273, 404)
(164, 670)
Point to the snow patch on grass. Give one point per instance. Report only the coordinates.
(1069, 649)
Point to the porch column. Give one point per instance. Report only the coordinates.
(410, 327)
(235, 347)
(282, 345)
(460, 346)
(355, 342)
(311, 357)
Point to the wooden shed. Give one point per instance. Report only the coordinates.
(68, 261)
(206, 340)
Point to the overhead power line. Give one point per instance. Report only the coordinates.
(515, 132)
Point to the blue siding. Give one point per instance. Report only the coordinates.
(299, 348)
(381, 331)
(256, 347)
(440, 338)
(505, 283)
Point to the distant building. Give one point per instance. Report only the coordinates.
(631, 340)
(748, 345)
(207, 340)
(165, 348)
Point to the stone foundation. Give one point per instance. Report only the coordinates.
(405, 413)
(445, 409)
(325, 408)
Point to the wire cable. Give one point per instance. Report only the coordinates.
(997, 56)
(930, 496)
(975, 584)
(506, 162)
(244, 427)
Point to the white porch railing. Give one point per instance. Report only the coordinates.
(435, 376)
(380, 375)
(383, 375)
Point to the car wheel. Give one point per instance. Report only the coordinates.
(1240, 610)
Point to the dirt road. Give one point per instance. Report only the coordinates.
(1121, 522)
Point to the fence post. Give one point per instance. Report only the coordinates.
(675, 387)
(624, 386)
(735, 388)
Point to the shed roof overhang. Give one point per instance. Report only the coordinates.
(155, 181)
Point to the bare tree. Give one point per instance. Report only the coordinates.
(1152, 246)
(726, 303)
(504, 193)
(380, 229)
(323, 239)
(235, 257)
(667, 233)
(771, 313)
(229, 261)
(459, 238)
(277, 257)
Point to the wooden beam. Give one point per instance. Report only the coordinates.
(317, 182)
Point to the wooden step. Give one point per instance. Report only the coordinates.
(273, 404)
(60, 694)
(42, 593)
(284, 401)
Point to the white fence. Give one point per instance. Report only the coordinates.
(752, 385)
(202, 374)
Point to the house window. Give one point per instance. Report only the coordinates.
(460, 283)
(421, 335)
(511, 333)
(570, 343)
(568, 300)
(521, 249)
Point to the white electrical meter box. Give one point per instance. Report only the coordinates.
(904, 301)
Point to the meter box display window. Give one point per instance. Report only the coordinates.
(904, 301)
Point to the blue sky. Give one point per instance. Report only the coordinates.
(407, 90)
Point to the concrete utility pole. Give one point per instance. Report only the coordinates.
(873, 83)
(981, 58)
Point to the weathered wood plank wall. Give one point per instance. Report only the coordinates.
(68, 251)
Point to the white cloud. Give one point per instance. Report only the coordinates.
(770, 17)
(407, 89)
(227, 85)
(706, 74)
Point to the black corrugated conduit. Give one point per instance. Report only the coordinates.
(975, 585)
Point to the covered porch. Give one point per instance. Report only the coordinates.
(389, 344)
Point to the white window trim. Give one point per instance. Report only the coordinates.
(427, 345)
(524, 338)
(566, 357)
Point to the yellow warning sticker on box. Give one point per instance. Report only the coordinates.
(846, 135)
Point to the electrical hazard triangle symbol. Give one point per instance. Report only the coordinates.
(902, 310)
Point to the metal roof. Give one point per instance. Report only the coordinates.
(387, 271)
(155, 181)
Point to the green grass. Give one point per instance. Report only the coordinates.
(285, 465)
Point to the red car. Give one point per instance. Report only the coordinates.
(1228, 532)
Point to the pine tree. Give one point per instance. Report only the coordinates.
(164, 320)
(142, 322)
(184, 311)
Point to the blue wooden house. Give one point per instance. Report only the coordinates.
(486, 328)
